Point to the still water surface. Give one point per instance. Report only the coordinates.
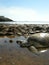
(13, 54)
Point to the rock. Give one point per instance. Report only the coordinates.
(31, 32)
(19, 34)
(0, 58)
(47, 29)
(11, 41)
(9, 33)
(2, 18)
(23, 30)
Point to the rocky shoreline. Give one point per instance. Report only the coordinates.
(23, 29)
(12, 54)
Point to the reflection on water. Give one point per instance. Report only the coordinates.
(6, 40)
(12, 54)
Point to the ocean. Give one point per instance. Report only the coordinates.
(25, 22)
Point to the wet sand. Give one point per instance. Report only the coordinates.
(13, 54)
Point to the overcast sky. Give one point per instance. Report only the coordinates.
(25, 10)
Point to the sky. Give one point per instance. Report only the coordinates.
(25, 10)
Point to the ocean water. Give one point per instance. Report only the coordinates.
(25, 22)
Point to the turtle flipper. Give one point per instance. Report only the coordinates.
(33, 50)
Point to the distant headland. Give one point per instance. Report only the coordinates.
(3, 18)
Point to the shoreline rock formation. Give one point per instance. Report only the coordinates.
(23, 30)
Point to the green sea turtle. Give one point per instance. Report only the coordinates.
(36, 43)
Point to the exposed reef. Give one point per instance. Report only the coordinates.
(23, 30)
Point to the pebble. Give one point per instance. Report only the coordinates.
(0, 58)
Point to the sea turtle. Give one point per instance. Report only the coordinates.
(37, 43)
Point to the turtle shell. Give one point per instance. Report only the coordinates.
(39, 40)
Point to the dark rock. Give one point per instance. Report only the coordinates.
(47, 29)
(23, 30)
(2, 18)
(11, 41)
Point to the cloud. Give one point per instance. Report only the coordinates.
(19, 14)
(23, 14)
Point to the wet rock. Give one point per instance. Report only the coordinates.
(47, 29)
(19, 34)
(0, 58)
(8, 34)
(37, 28)
(31, 32)
(11, 41)
(23, 30)
(13, 63)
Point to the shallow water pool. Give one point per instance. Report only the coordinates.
(12, 54)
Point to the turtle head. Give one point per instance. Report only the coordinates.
(21, 43)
